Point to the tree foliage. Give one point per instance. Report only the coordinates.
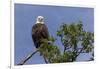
(75, 41)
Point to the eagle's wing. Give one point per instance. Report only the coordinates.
(44, 31)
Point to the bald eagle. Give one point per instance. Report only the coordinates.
(39, 31)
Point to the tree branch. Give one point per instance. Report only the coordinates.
(27, 58)
(79, 52)
(45, 59)
(63, 43)
(64, 49)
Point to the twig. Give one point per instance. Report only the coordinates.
(27, 58)
(79, 53)
(63, 43)
(64, 49)
(45, 60)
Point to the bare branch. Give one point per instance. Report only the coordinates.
(79, 52)
(27, 58)
(45, 59)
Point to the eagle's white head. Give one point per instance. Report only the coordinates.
(40, 19)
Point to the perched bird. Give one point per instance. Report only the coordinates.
(39, 31)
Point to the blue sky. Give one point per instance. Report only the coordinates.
(25, 18)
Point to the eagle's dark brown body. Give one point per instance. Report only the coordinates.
(39, 31)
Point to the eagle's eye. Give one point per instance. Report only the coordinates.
(40, 19)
